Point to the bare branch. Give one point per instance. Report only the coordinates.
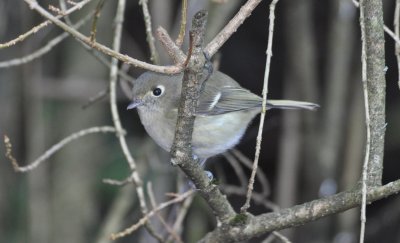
(119, 19)
(150, 214)
(299, 215)
(42, 25)
(178, 225)
(149, 33)
(367, 121)
(246, 206)
(154, 205)
(44, 50)
(53, 149)
(182, 29)
(124, 58)
(181, 151)
(385, 28)
(125, 181)
(169, 45)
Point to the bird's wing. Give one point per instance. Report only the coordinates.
(225, 99)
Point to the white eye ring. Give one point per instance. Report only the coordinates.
(157, 91)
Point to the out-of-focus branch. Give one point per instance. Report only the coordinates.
(153, 202)
(119, 19)
(53, 149)
(246, 205)
(149, 33)
(124, 58)
(44, 50)
(150, 214)
(181, 151)
(182, 27)
(42, 25)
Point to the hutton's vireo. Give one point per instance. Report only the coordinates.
(224, 111)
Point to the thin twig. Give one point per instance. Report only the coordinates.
(124, 58)
(182, 29)
(231, 27)
(96, 17)
(43, 50)
(42, 25)
(246, 205)
(149, 33)
(169, 45)
(154, 205)
(53, 149)
(367, 121)
(119, 19)
(63, 6)
(99, 96)
(114, 182)
(182, 214)
(150, 214)
(395, 37)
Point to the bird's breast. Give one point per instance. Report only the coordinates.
(159, 128)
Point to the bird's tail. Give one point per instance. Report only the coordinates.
(290, 104)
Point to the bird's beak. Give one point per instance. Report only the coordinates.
(135, 103)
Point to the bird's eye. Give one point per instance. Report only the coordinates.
(157, 91)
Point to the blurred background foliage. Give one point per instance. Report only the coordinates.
(305, 155)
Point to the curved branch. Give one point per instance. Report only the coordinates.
(53, 149)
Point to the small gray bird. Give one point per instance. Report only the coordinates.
(224, 111)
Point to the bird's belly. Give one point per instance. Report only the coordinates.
(213, 135)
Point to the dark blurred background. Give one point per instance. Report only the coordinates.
(305, 155)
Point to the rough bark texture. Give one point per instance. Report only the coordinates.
(375, 52)
(181, 151)
(297, 215)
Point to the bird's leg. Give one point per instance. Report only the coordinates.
(202, 163)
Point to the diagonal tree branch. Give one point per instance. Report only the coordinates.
(298, 215)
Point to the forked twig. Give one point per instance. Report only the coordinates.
(150, 214)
